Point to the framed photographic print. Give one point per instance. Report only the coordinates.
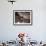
(22, 17)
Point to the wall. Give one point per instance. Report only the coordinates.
(38, 29)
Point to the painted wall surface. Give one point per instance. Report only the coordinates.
(38, 29)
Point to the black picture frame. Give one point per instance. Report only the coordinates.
(22, 17)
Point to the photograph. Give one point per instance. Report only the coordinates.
(22, 16)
